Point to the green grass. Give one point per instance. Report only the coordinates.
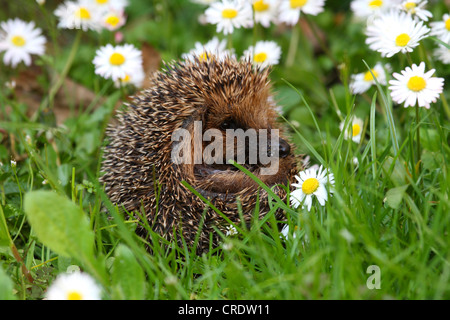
(388, 210)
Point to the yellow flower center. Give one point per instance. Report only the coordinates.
(203, 56)
(260, 6)
(83, 13)
(447, 24)
(416, 83)
(411, 7)
(375, 3)
(18, 41)
(310, 185)
(298, 3)
(116, 59)
(112, 20)
(356, 129)
(368, 76)
(101, 1)
(74, 295)
(126, 79)
(229, 13)
(402, 40)
(260, 57)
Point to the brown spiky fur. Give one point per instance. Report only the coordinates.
(139, 153)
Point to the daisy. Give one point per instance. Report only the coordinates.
(395, 32)
(416, 9)
(361, 82)
(264, 53)
(135, 78)
(81, 14)
(441, 29)
(442, 53)
(116, 62)
(355, 132)
(231, 231)
(19, 40)
(311, 182)
(112, 19)
(285, 234)
(273, 104)
(203, 51)
(290, 9)
(74, 286)
(413, 86)
(118, 5)
(230, 14)
(363, 9)
(207, 2)
(265, 11)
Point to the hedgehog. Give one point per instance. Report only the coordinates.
(139, 171)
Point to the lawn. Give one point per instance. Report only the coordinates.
(382, 233)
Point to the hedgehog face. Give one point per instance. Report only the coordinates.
(248, 128)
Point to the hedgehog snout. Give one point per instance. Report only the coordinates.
(284, 148)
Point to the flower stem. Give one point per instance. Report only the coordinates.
(255, 33)
(408, 57)
(230, 41)
(445, 105)
(293, 44)
(418, 139)
(48, 101)
(320, 41)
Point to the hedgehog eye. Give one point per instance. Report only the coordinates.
(228, 124)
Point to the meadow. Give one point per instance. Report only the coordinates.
(382, 233)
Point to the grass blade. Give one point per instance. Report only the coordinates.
(388, 109)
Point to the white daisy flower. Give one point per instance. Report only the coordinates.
(290, 9)
(118, 5)
(416, 9)
(266, 11)
(207, 2)
(81, 14)
(355, 132)
(441, 29)
(231, 231)
(442, 53)
(285, 234)
(264, 53)
(74, 286)
(116, 62)
(363, 9)
(135, 78)
(11, 85)
(414, 85)
(273, 104)
(395, 32)
(311, 182)
(230, 14)
(212, 47)
(112, 19)
(361, 82)
(19, 40)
